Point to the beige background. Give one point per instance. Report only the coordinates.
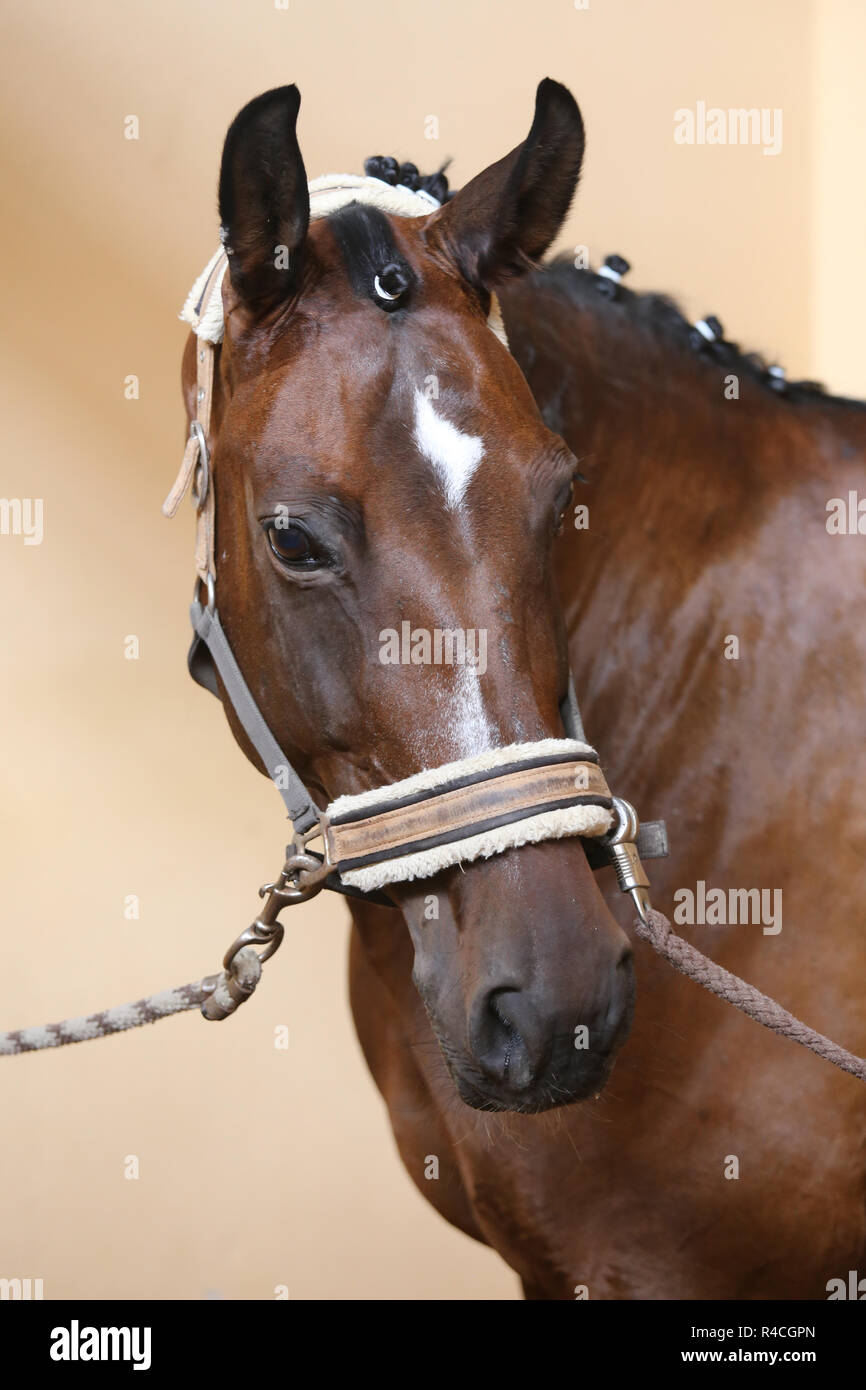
(262, 1167)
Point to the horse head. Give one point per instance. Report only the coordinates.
(383, 475)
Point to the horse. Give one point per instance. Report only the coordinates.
(381, 458)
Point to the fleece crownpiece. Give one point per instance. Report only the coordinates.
(203, 308)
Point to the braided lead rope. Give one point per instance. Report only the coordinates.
(216, 995)
(688, 960)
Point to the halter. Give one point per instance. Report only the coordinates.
(462, 811)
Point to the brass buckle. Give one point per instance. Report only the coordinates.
(201, 472)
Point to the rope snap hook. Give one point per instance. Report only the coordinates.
(620, 843)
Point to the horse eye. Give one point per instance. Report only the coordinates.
(291, 544)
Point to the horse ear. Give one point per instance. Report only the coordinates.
(506, 217)
(263, 199)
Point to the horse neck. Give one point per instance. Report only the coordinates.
(673, 445)
(647, 415)
(707, 517)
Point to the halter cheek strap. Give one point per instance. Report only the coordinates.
(208, 630)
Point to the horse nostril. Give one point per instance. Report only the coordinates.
(507, 1038)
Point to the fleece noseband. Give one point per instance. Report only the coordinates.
(462, 811)
(468, 810)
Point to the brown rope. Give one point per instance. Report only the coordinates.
(686, 958)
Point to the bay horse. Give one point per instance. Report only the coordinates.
(718, 1160)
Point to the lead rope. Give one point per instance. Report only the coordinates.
(216, 995)
(688, 960)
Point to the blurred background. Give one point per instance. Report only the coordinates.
(261, 1167)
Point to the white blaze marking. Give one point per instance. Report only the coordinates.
(461, 724)
(454, 455)
(473, 730)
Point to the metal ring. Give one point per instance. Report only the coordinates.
(381, 291)
(271, 937)
(626, 825)
(310, 873)
(201, 473)
(209, 583)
